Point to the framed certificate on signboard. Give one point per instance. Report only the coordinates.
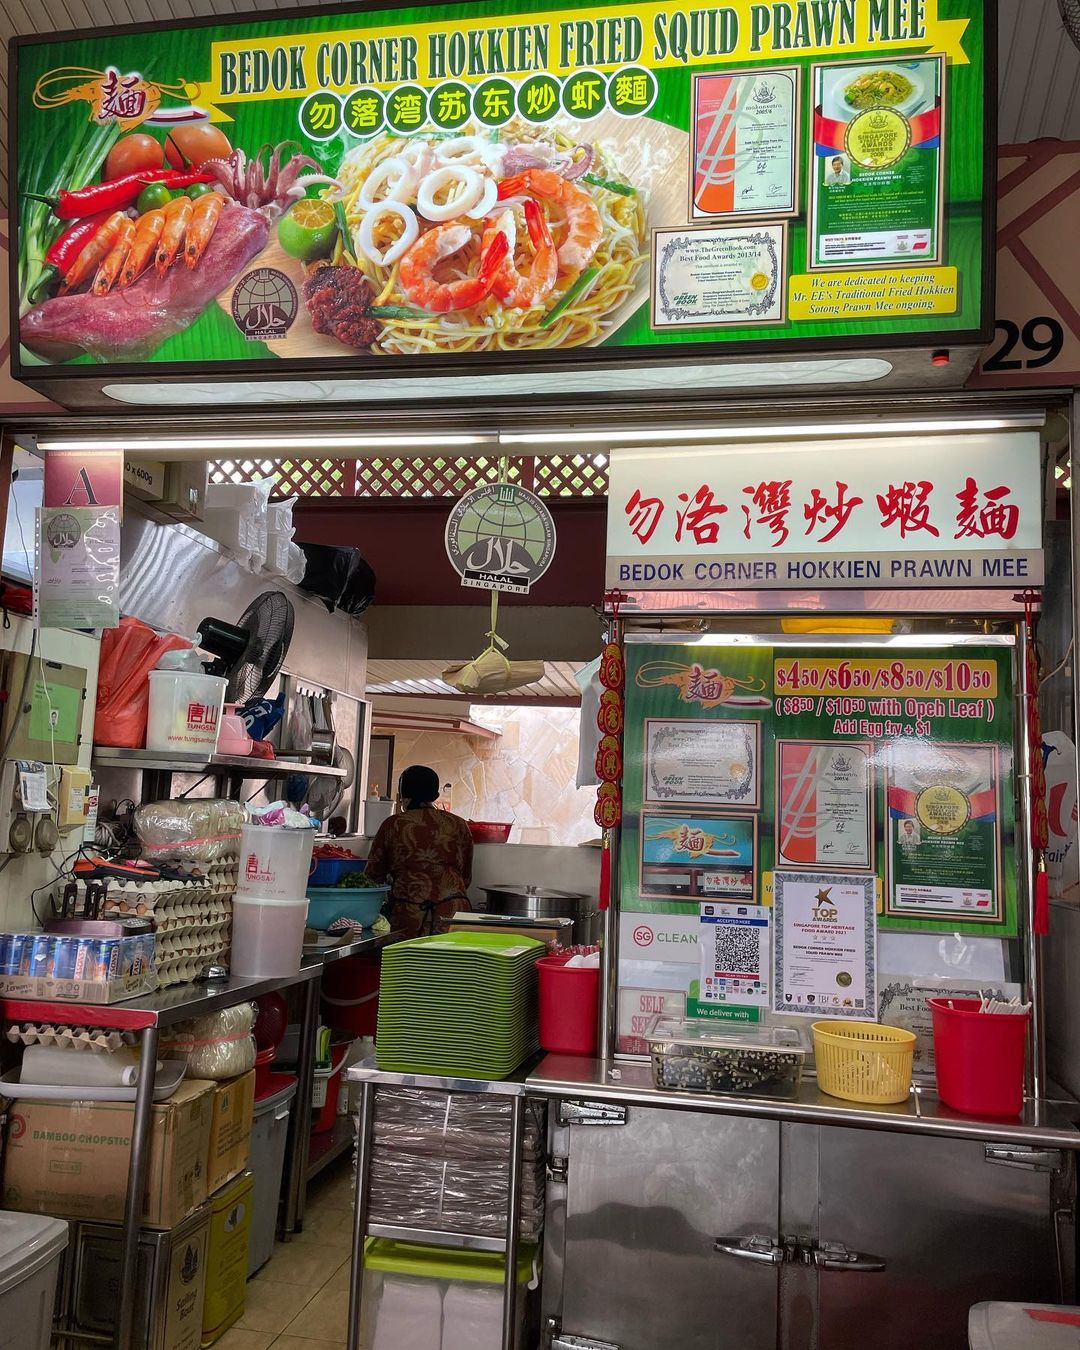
(824, 806)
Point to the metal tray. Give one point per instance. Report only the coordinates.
(167, 1081)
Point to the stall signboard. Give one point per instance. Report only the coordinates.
(775, 785)
(929, 512)
(503, 184)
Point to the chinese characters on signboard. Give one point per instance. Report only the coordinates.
(931, 512)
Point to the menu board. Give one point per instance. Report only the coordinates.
(787, 800)
(500, 183)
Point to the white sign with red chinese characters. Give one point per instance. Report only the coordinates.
(941, 511)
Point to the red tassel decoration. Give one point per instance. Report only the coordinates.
(605, 874)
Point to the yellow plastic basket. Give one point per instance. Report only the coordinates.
(863, 1061)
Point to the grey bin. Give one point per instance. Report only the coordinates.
(270, 1126)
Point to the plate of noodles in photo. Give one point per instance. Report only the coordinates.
(529, 237)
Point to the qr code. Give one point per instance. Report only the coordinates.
(736, 951)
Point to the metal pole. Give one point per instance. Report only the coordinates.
(609, 971)
(360, 1212)
(513, 1208)
(136, 1188)
(296, 1166)
(1074, 577)
(1026, 874)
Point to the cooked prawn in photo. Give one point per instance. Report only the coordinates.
(485, 240)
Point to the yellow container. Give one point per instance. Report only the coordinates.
(227, 1256)
(864, 1061)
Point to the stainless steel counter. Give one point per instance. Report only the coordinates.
(1050, 1124)
(1045, 1124)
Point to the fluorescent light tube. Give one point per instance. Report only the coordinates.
(761, 432)
(266, 443)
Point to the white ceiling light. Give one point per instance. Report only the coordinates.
(766, 432)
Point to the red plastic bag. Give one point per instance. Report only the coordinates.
(128, 655)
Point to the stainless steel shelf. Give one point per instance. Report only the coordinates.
(111, 757)
(431, 1237)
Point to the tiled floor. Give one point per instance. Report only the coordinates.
(300, 1298)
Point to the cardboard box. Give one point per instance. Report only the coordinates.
(144, 478)
(71, 1158)
(230, 1130)
(184, 497)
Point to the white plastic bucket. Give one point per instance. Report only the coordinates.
(185, 711)
(267, 936)
(274, 862)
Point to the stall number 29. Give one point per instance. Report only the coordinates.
(1042, 336)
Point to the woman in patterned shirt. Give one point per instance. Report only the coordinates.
(425, 854)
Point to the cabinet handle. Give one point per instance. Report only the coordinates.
(835, 1256)
(756, 1248)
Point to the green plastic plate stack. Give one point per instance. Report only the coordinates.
(460, 1005)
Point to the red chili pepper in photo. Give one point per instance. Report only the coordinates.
(117, 192)
(64, 249)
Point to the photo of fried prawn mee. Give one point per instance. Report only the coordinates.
(488, 240)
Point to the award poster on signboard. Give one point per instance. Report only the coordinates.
(757, 766)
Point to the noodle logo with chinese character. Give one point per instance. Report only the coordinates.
(698, 684)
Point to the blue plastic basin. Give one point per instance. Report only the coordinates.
(361, 904)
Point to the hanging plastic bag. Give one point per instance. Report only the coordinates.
(128, 655)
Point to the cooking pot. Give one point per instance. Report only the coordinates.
(544, 902)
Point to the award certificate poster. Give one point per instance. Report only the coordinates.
(824, 806)
(744, 143)
(687, 856)
(825, 945)
(877, 163)
(944, 832)
(698, 763)
(723, 275)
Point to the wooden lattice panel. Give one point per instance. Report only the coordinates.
(552, 476)
(420, 477)
(571, 475)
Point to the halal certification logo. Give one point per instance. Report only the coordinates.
(500, 537)
(264, 305)
(63, 531)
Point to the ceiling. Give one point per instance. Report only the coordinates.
(1039, 67)
(421, 679)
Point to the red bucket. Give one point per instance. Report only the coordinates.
(569, 1003)
(350, 995)
(979, 1057)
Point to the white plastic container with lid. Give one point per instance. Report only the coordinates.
(1023, 1326)
(267, 937)
(275, 862)
(31, 1246)
(185, 711)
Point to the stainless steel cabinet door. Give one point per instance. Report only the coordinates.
(645, 1203)
(952, 1228)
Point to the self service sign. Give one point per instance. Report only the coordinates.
(503, 182)
(929, 512)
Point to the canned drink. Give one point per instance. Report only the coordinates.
(42, 946)
(107, 958)
(18, 956)
(64, 958)
(5, 947)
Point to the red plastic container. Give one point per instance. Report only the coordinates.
(569, 1003)
(979, 1057)
(490, 831)
(263, 1072)
(350, 995)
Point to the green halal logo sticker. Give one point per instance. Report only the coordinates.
(500, 537)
